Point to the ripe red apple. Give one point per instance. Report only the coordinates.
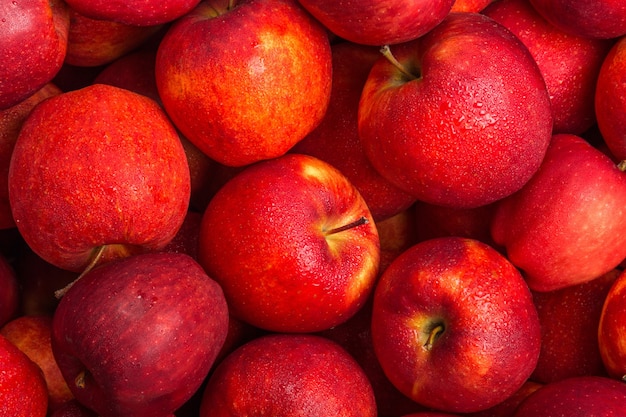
(11, 120)
(569, 64)
(454, 326)
(286, 375)
(450, 134)
(9, 291)
(612, 329)
(33, 42)
(582, 396)
(336, 139)
(507, 407)
(97, 173)
(73, 409)
(395, 234)
(292, 243)
(603, 19)
(138, 336)
(245, 80)
(23, 391)
(134, 12)
(569, 320)
(376, 22)
(565, 227)
(610, 101)
(31, 334)
(93, 42)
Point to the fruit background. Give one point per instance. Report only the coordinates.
(312, 208)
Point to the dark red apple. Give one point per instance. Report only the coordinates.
(97, 173)
(9, 291)
(569, 64)
(454, 326)
(245, 80)
(33, 45)
(138, 336)
(582, 396)
(288, 375)
(569, 329)
(336, 139)
(23, 391)
(565, 226)
(612, 329)
(292, 243)
(134, 12)
(459, 117)
(375, 22)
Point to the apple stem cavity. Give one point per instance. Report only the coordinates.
(386, 51)
(361, 221)
(622, 165)
(94, 261)
(434, 334)
(79, 381)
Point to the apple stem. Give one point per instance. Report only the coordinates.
(79, 381)
(386, 51)
(622, 165)
(362, 220)
(231, 4)
(94, 261)
(433, 336)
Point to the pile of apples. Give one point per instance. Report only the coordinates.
(312, 208)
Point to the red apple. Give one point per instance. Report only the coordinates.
(376, 22)
(93, 42)
(23, 391)
(569, 64)
(612, 329)
(33, 45)
(97, 173)
(565, 227)
(137, 336)
(292, 243)
(11, 120)
(601, 19)
(336, 139)
(507, 407)
(582, 396)
(610, 101)
(134, 12)
(285, 375)
(450, 134)
(245, 80)
(454, 326)
(395, 234)
(9, 291)
(569, 329)
(31, 334)
(73, 409)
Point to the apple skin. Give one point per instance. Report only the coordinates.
(569, 320)
(31, 334)
(599, 19)
(73, 409)
(9, 291)
(456, 136)
(248, 83)
(134, 12)
(610, 103)
(470, 6)
(375, 22)
(612, 328)
(569, 64)
(454, 326)
(100, 329)
(581, 396)
(336, 139)
(33, 45)
(102, 177)
(507, 407)
(93, 42)
(553, 234)
(267, 238)
(22, 384)
(11, 120)
(285, 375)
